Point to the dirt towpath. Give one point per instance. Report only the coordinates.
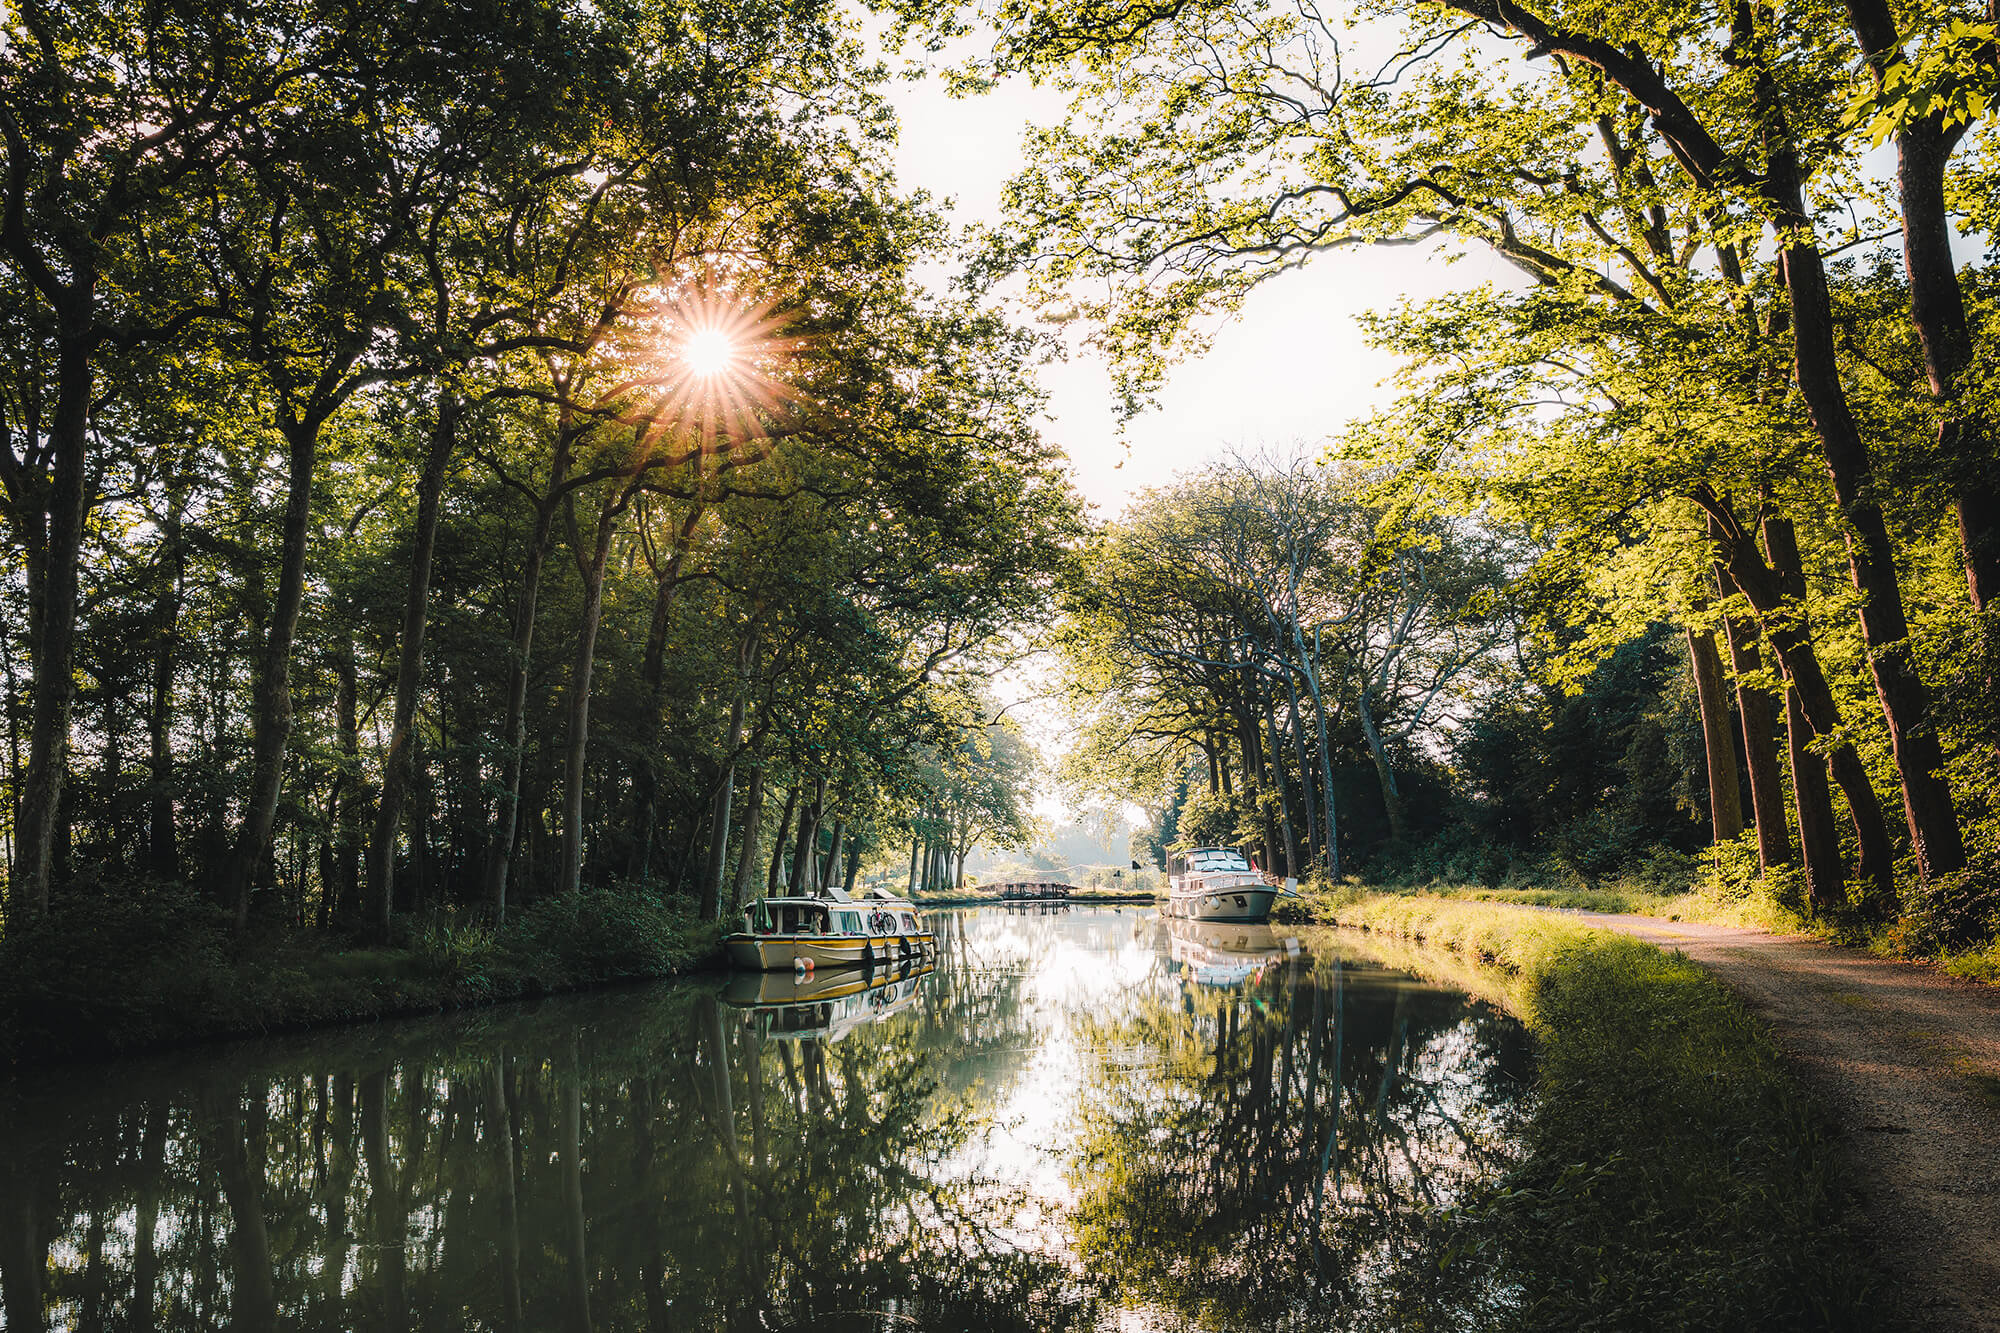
(1907, 1060)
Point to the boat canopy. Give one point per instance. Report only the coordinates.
(1216, 858)
(887, 915)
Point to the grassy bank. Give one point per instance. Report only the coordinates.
(1674, 1175)
(157, 967)
(1953, 924)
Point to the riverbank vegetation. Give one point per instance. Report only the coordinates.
(1674, 560)
(452, 460)
(1673, 1175)
(115, 975)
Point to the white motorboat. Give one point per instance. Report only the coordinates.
(780, 933)
(1217, 884)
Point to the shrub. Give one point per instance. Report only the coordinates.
(1955, 911)
(145, 964)
(136, 959)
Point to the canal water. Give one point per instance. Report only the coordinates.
(1079, 1118)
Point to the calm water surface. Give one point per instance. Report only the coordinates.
(1079, 1118)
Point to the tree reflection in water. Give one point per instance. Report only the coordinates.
(1265, 1152)
(681, 1157)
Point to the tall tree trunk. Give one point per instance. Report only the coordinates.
(14, 764)
(271, 714)
(1725, 799)
(52, 614)
(423, 858)
(746, 856)
(718, 836)
(1385, 776)
(1331, 824)
(652, 673)
(1937, 311)
(347, 799)
(1776, 591)
(506, 821)
(569, 876)
(916, 845)
(1284, 786)
(834, 853)
(1812, 800)
(1760, 751)
(409, 666)
(1305, 763)
(163, 858)
(776, 875)
(1905, 700)
(805, 855)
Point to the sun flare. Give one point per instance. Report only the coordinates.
(709, 352)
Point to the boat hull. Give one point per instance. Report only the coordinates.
(781, 953)
(1235, 902)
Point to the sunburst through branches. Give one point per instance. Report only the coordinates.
(716, 364)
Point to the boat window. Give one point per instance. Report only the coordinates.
(1218, 858)
(909, 923)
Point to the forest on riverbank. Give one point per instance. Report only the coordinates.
(454, 458)
(1677, 557)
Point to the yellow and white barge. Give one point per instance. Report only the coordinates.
(780, 933)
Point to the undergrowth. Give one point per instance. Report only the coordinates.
(155, 965)
(1673, 1175)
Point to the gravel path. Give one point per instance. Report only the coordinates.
(1907, 1060)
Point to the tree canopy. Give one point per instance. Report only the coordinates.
(456, 455)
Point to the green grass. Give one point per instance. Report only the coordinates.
(1673, 1176)
(154, 966)
(1695, 900)
(1980, 963)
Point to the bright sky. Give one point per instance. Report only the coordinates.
(1291, 367)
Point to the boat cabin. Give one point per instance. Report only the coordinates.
(1210, 861)
(826, 916)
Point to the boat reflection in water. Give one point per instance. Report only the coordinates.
(826, 1005)
(1226, 953)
